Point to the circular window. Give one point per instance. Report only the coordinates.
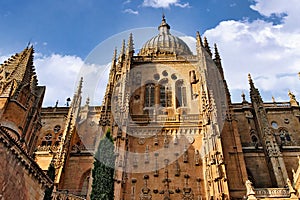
(274, 125)
(173, 76)
(56, 128)
(165, 73)
(156, 76)
(286, 121)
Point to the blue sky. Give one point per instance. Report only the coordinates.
(75, 27)
(260, 37)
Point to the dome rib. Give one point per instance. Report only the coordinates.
(165, 43)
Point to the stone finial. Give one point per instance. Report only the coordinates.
(164, 27)
(243, 97)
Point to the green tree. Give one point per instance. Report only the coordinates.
(51, 175)
(103, 172)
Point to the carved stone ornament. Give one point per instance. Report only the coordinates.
(191, 139)
(141, 140)
(187, 194)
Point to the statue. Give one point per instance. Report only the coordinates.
(290, 186)
(293, 100)
(249, 187)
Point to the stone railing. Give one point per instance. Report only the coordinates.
(165, 118)
(277, 104)
(65, 195)
(47, 148)
(82, 148)
(272, 192)
(172, 58)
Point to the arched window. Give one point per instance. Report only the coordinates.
(284, 135)
(47, 140)
(165, 94)
(84, 182)
(58, 140)
(180, 94)
(254, 139)
(149, 95)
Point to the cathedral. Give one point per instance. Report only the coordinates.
(176, 132)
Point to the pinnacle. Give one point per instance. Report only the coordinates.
(199, 40)
(217, 55)
(206, 46)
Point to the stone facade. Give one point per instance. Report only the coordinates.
(68, 138)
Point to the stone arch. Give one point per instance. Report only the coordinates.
(181, 98)
(47, 139)
(284, 135)
(84, 182)
(165, 93)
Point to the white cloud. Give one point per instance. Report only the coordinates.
(184, 5)
(191, 42)
(127, 2)
(232, 5)
(130, 11)
(265, 50)
(164, 3)
(59, 74)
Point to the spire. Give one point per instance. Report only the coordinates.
(251, 82)
(113, 68)
(217, 61)
(164, 27)
(114, 59)
(76, 101)
(206, 46)
(217, 55)
(254, 93)
(199, 40)
(68, 133)
(18, 69)
(79, 88)
(130, 48)
(122, 51)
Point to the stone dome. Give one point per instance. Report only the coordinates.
(165, 43)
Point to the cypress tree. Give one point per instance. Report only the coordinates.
(51, 174)
(103, 172)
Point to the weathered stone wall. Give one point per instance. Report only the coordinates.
(15, 180)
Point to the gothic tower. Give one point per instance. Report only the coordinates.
(166, 107)
(21, 99)
(20, 122)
